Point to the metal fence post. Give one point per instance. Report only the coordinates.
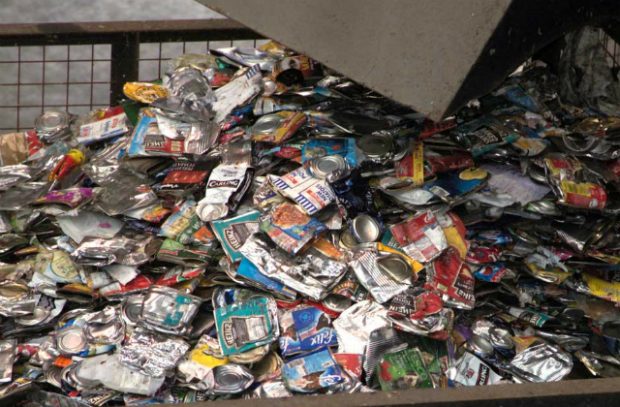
(124, 64)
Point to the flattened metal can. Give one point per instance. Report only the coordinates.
(365, 229)
(52, 124)
(377, 147)
(394, 266)
(131, 309)
(232, 379)
(168, 310)
(71, 340)
(329, 167)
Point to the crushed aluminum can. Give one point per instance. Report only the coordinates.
(420, 237)
(270, 366)
(223, 182)
(354, 326)
(290, 228)
(168, 310)
(112, 373)
(246, 325)
(305, 329)
(231, 379)
(197, 367)
(232, 232)
(330, 167)
(542, 363)
(271, 389)
(312, 194)
(394, 266)
(7, 358)
(380, 341)
(452, 278)
(152, 354)
(16, 299)
(52, 125)
(312, 279)
(377, 147)
(471, 371)
(380, 283)
(144, 92)
(365, 229)
(312, 372)
(403, 369)
(71, 340)
(277, 127)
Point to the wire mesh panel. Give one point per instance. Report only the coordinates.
(65, 77)
(76, 78)
(154, 57)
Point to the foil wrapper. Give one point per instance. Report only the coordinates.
(152, 354)
(312, 276)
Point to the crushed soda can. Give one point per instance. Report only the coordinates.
(168, 310)
(469, 370)
(542, 363)
(312, 372)
(403, 369)
(151, 353)
(305, 329)
(246, 325)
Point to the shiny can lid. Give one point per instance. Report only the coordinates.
(394, 266)
(71, 340)
(267, 124)
(347, 240)
(51, 121)
(365, 229)
(232, 378)
(537, 174)
(108, 333)
(544, 207)
(480, 345)
(209, 212)
(131, 310)
(401, 148)
(377, 146)
(39, 315)
(501, 338)
(323, 167)
(337, 303)
(268, 367)
(53, 376)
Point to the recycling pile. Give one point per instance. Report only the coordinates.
(255, 225)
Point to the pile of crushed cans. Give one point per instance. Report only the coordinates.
(254, 225)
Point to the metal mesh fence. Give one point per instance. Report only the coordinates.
(75, 78)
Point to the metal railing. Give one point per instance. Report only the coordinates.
(81, 66)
